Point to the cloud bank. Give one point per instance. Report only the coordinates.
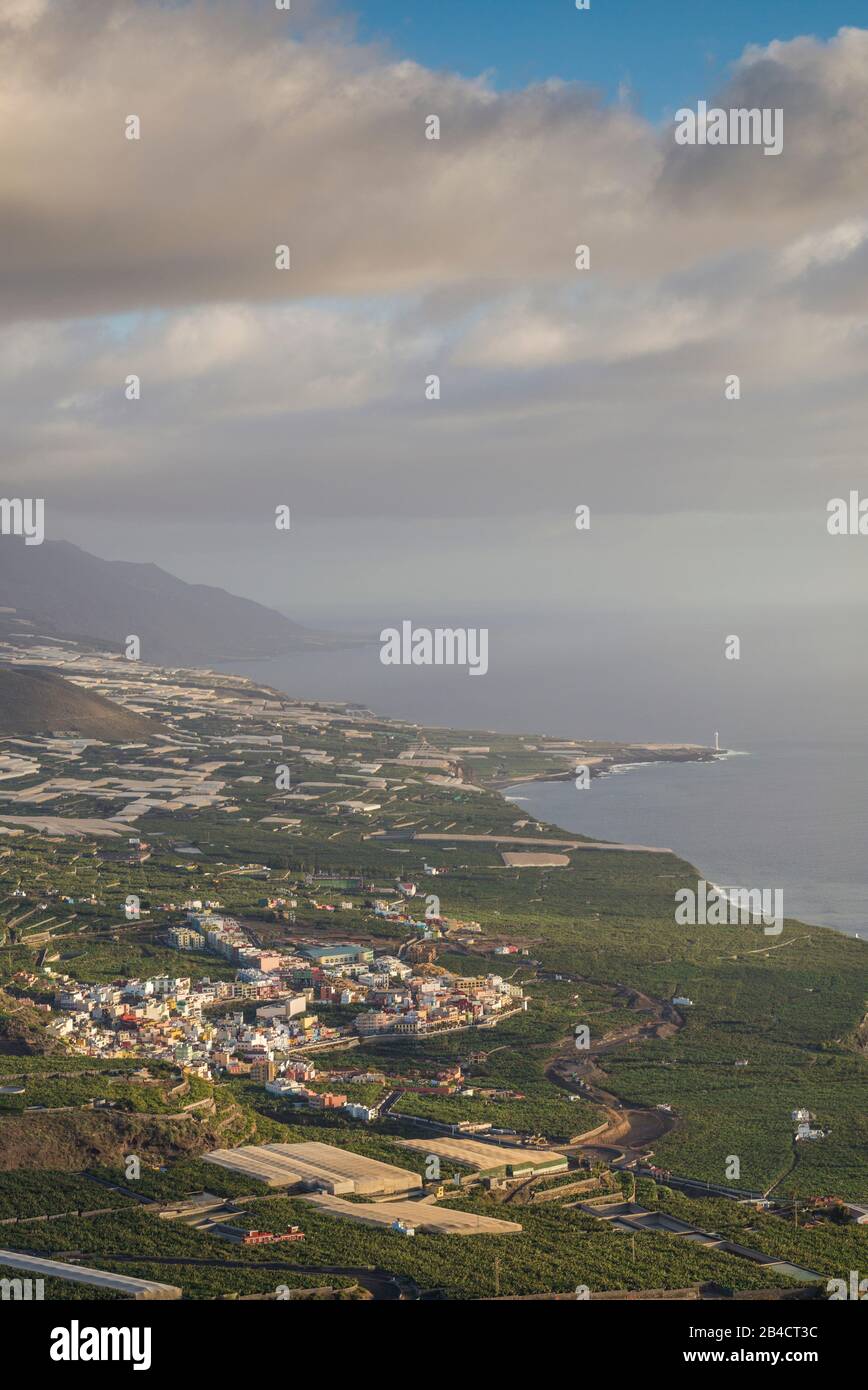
(412, 257)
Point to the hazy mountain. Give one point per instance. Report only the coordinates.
(36, 701)
(66, 592)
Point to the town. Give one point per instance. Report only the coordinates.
(292, 975)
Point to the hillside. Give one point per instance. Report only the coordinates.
(22, 1031)
(62, 591)
(75, 1139)
(40, 702)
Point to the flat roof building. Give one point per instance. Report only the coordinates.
(316, 1166)
(423, 1217)
(489, 1158)
(338, 955)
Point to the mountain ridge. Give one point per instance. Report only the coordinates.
(57, 589)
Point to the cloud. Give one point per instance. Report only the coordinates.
(21, 14)
(412, 257)
(251, 139)
(257, 132)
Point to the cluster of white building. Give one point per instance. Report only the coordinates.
(162, 1019)
(224, 936)
(428, 1003)
(805, 1129)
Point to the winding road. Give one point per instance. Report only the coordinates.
(631, 1129)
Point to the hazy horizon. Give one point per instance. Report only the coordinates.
(559, 387)
(562, 383)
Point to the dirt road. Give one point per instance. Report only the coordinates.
(631, 1129)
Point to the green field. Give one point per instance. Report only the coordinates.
(791, 1006)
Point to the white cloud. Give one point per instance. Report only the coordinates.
(412, 257)
(21, 14)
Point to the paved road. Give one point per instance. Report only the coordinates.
(391, 1099)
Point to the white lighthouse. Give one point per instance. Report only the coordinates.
(716, 741)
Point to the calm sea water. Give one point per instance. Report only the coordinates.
(791, 814)
(788, 815)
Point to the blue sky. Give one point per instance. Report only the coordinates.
(668, 52)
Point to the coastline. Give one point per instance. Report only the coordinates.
(599, 765)
(633, 821)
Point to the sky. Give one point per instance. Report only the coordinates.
(413, 258)
(661, 53)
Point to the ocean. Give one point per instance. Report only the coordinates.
(788, 811)
(784, 815)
